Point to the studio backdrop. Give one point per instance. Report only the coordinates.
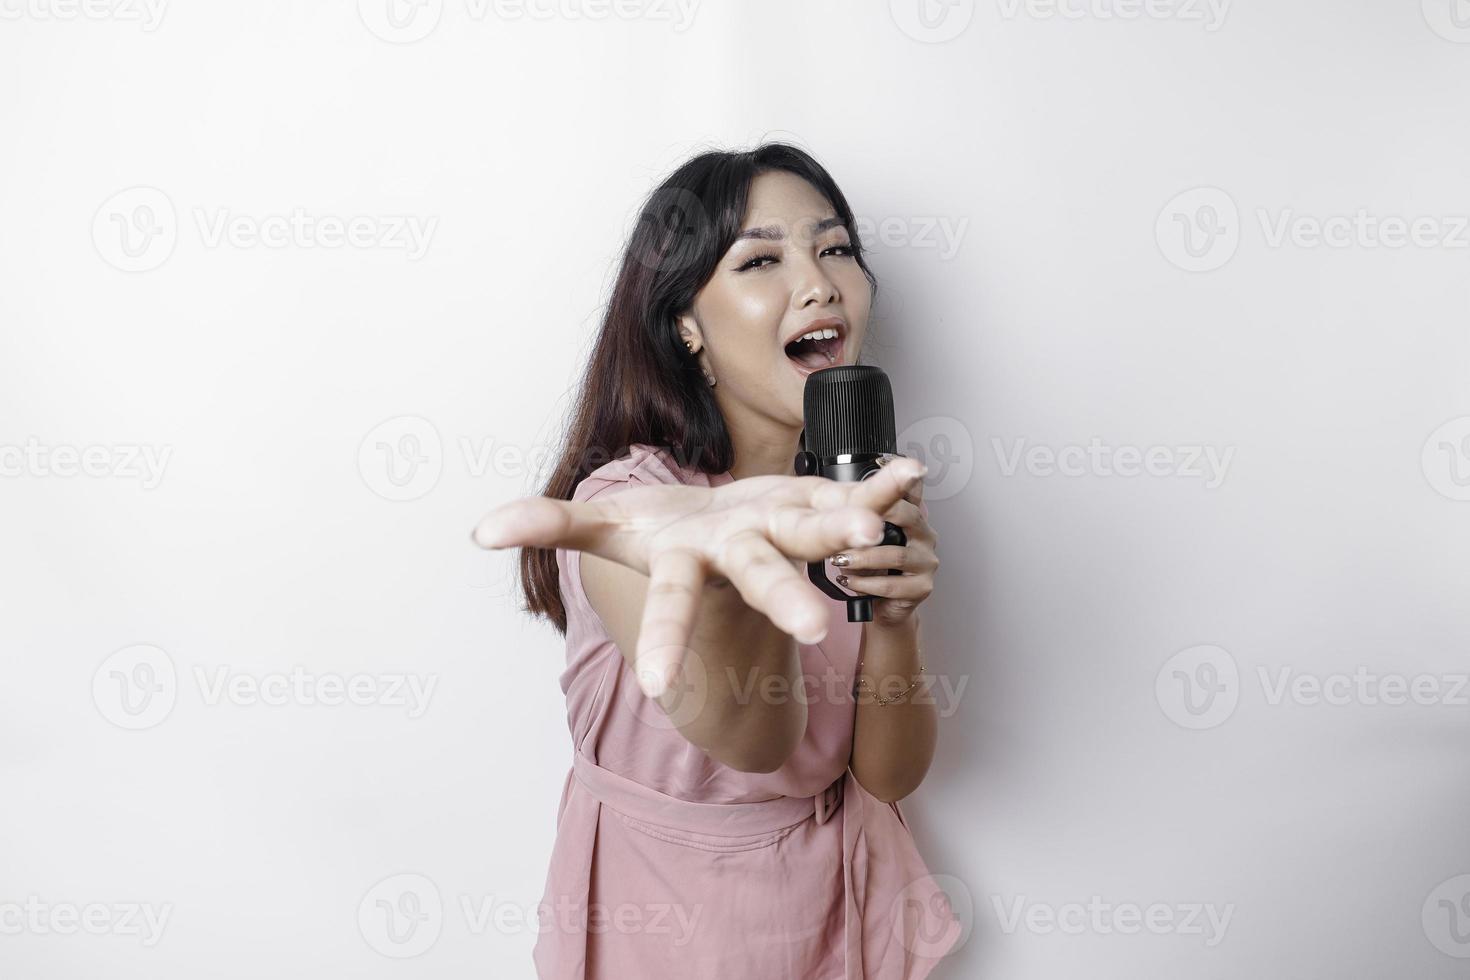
(1173, 296)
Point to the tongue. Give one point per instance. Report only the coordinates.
(811, 353)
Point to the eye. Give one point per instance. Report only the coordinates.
(842, 251)
(751, 263)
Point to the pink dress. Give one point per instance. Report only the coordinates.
(670, 866)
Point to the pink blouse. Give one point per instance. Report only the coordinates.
(670, 866)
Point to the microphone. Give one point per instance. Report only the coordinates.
(847, 414)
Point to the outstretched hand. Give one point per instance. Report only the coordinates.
(749, 534)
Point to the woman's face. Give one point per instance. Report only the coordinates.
(788, 270)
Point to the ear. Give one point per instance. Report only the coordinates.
(689, 331)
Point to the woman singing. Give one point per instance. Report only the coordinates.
(739, 747)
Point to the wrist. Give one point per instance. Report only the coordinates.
(907, 626)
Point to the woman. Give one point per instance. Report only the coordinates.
(739, 747)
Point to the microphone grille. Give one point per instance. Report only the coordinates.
(849, 409)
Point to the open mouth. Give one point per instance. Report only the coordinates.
(810, 354)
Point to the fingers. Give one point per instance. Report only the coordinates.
(542, 522)
(768, 582)
(915, 493)
(814, 534)
(905, 514)
(910, 560)
(675, 580)
(911, 587)
(883, 557)
(884, 488)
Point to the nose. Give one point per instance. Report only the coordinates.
(813, 286)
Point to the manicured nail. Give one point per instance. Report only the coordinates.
(842, 580)
(841, 561)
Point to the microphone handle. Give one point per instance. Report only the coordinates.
(859, 607)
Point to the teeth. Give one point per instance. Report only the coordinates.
(826, 334)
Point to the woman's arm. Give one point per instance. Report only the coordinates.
(708, 575)
(733, 650)
(893, 744)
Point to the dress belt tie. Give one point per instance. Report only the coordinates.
(644, 803)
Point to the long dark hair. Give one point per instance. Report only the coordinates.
(640, 384)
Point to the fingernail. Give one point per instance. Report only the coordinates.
(842, 580)
(841, 561)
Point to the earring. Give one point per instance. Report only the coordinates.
(689, 347)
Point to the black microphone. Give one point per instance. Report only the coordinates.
(847, 413)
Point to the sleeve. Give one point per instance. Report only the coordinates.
(644, 465)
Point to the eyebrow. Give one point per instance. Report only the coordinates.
(771, 233)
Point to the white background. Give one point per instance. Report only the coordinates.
(1067, 309)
